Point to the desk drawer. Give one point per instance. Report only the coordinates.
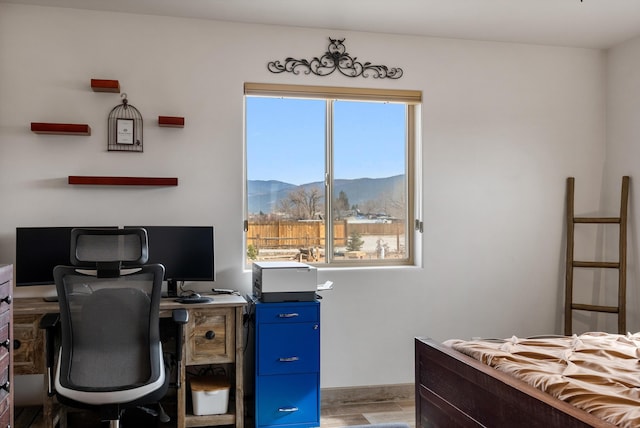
(210, 336)
(286, 400)
(4, 372)
(5, 416)
(286, 313)
(288, 349)
(5, 410)
(5, 324)
(5, 295)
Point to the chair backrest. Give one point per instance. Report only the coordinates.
(107, 250)
(109, 317)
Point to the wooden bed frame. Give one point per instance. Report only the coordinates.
(455, 390)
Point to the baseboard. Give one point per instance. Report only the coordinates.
(366, 394)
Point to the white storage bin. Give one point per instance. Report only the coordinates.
(210, 395)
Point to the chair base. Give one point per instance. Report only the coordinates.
(113, 416)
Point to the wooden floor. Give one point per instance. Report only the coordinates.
(331, 417)
(368, 413)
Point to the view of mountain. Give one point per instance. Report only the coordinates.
(264, 195)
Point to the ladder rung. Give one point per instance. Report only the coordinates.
(596, 220)
(595, 308)
(608, 265)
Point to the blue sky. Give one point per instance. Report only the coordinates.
(285, 139)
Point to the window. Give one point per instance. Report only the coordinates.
(330, 174)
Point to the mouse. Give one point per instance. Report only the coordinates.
(194, 296)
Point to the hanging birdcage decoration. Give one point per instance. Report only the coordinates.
(125, 128)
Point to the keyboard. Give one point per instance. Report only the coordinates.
(190, 300)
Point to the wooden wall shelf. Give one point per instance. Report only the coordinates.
(60, 128)
(102, 85)
(123, 181)
(171, 121)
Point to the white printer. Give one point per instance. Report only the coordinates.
(284, 281)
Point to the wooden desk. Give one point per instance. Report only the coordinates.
(213, 336)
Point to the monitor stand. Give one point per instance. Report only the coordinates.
(172, 288)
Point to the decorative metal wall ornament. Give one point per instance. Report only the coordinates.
(125, 128)
(336, 58)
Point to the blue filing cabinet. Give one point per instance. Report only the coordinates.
(287, 364)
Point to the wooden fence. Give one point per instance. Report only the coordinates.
(305, 234)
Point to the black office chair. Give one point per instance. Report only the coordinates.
(110, 355)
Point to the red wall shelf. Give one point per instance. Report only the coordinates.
(171, 121)
(102, 85)
(60, 128)
(123, 181)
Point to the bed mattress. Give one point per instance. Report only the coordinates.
(597, 372)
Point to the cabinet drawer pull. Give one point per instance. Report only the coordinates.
(5, 386)
(288, 359)
(291, 315)
(288, 409)
(6, 343)
(210, 334)
(6, 299)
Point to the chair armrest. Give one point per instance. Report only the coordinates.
(49, 322)
(180, 317)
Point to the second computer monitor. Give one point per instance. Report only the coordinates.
(187, 253)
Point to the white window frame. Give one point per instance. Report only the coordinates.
(412, 99)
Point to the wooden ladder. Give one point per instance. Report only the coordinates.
(621, 264)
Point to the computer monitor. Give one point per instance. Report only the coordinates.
(39, 250)
(187, 253)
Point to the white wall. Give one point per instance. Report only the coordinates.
(623, 153)
(503, 126)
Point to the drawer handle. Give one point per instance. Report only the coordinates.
(5, 386)
(291, 315)
(210, 334)
(16, 344)
(6, 299)
(288, 359)
(6, 343)
(288, 409)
